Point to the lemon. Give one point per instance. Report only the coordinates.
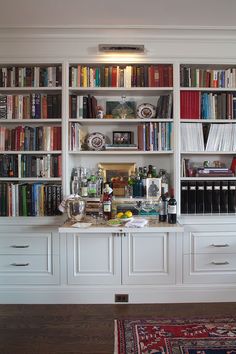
(119, 215)
(129, 213)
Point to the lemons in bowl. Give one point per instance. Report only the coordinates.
(124, 216)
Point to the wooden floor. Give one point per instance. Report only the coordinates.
(80, 329)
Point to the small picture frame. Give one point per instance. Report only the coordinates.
(122, 138)
(153, 187)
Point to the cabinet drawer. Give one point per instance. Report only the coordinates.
(29, 269)
(213, 242)
(25, 263)
(214, 262)
(209, 268)
(26, 244)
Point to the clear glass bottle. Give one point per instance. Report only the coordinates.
(92, 187)
(164, 181)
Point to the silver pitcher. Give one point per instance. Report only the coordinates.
(76, 207)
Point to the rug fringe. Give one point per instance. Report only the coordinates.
(115, 338)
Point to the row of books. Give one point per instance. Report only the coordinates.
(217, 137)
(205, 105)
(31, 76)
(30, 199)
(30, 166)
(82, 106)
(201, 77)
(41, 166)
(154, 136)
(30, 106)
(208, 197)
(25, 138)
(159, 75)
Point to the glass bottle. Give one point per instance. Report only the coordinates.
(138, 187)
(84, 187)
(107, 202)
(149, 173)
(172, 210)
(164, 181)
(92, 187)
(75, 183)
(163, 208)
(154, 172)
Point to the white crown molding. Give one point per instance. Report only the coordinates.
(127, 32)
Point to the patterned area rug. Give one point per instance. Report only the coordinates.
(176, 336)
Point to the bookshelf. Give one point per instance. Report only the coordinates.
(108, 86)
(30, 139)
(207, 131)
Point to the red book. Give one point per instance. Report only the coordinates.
(114, 76)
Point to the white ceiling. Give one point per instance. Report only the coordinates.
(76, 13)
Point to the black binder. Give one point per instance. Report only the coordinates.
(224, 197)
(184, 197)
(232, 197)
(192, 197)
(200, 197)
(216, 197)
(208, 197)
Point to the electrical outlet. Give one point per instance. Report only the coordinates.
(121, 298)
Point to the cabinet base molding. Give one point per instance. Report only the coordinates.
(106, 295)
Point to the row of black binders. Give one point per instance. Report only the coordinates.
(208, 197)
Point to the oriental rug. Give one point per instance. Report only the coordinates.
(176, 336)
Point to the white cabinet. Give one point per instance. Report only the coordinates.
(148, 258)
(121, 258)
(210, 256)
(28, 258)
(93, 258)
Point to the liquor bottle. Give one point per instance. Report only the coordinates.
(107, 202)
(172, 210)
(154, 172)
(138, 187)
(92, 187)
(163, 208)
(164, 181)
(84, 187)
(75, 183)
(149, 173)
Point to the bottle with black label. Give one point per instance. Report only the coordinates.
(172, 210)
(163, 208)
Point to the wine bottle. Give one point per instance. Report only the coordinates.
(163, 208)
(172, 210)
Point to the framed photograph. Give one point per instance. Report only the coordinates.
(153, 186)
(122, 138)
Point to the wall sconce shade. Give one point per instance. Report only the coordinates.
(121, 48)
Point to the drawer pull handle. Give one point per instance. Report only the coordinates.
(20, 246)
(220, 245)
(220, 263)
(20, 264)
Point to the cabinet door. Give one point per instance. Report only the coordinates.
(148, 258)
(94, 258)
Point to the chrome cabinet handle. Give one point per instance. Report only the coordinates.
(220, 245)
(220, 263)
(19, 246)
(20, 264)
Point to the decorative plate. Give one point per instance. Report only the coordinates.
(96, 141)
(146, 110)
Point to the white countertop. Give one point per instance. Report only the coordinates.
(152, 226)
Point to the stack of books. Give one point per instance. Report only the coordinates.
(214, 172)
(121, 147)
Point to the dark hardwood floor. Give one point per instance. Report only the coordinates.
(80, 329)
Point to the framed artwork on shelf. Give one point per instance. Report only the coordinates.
(153, 187)
(116, 109)
(122, 138)
(113, 171)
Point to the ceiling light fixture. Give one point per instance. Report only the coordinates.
(121, 48)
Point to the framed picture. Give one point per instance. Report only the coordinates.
(117, 109)
(113, 171)
(122, 138)
(153, 186)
